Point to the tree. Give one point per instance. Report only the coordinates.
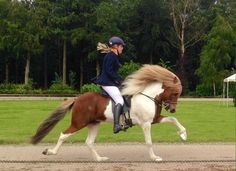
(84, 37)
(63, 19)
(149, 28)
(216, 54)
(27, 28)
(188, 28)
(6, 36)
(116, 18)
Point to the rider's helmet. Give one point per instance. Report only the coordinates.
(115, 41)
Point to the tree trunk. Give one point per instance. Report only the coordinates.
(45, 70)
(81, 73)
(16, 71)
(64, 63)
(7, 73)
(27, 67)
(214, 89)
(182, 61)
(151, 58)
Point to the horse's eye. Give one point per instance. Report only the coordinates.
(175, 94)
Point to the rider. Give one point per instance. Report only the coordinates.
(110, 80)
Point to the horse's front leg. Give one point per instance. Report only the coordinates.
(147, 135)
(92, 133)
(182, 131)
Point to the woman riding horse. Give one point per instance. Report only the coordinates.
(150, 87)
(109, 80)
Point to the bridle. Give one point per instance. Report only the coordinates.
(159, 102)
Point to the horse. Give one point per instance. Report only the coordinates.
(151, 87)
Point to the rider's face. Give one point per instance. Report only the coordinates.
(120, 48)
(117, 49)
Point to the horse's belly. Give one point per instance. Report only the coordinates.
(108, 113)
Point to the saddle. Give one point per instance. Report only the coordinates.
(125, 116)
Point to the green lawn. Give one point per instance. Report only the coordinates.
(204, 121)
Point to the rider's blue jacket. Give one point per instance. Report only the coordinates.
(109, 75)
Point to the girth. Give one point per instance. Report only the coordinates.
(126, 108)
(127, 101)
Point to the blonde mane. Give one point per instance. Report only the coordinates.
(136, 82)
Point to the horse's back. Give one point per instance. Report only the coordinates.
(91, 106)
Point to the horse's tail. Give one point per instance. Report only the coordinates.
(49, 123)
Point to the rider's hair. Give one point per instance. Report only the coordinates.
(103, 48)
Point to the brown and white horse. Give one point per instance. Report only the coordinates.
(151, 87)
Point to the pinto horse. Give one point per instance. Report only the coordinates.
(151, 87)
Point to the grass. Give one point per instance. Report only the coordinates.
(204, 121)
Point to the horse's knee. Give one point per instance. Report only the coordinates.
(168, 119)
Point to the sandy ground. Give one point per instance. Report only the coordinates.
(122, 157)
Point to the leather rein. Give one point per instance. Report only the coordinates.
(158, 101)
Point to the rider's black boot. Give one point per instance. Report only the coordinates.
(117, 112)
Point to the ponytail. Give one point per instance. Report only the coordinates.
(103, 48)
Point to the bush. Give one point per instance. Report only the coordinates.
(90, 88)
(234, 95)
(203, 90)
(8, 88)
(128, 68)
(59, 88)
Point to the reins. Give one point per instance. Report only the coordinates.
(158, 102)
(153, 99)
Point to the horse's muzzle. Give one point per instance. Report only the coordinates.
(169, 107)
(172, 108)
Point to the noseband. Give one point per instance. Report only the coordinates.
(159, 102)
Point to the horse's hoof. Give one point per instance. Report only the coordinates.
(102, 159)
(157, 159)
(183, 135)
(45, 152)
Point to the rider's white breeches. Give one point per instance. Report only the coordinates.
(115, 94)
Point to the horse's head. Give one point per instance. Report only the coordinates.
(169, 97)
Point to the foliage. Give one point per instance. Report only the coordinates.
(203, 90)
(128, 68)
(234, 94)
(58, 87)
(9, 88)
(37, 30)
(90, 88)
(216, 54)
(166, 64)
(72, 79)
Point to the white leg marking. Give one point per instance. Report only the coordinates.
(147, 135)
(92, 133)
(54, 151)
(182, 131)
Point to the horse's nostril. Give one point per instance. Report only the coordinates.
(172, 110)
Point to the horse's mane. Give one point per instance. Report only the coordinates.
(136, 82)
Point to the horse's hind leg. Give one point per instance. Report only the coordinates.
(147, 135)
(92, 133)
(182, 131)
(61, 139)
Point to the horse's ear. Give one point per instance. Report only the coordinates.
(175, 80)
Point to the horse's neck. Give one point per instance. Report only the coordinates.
(153, 89)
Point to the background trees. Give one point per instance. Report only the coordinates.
(44, 40)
